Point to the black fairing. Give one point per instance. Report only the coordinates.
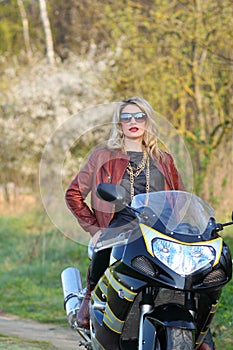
(136, 271)
(226, 260)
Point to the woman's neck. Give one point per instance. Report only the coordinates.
(133, 145)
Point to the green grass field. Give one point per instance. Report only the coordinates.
(31, 264)
(14, 343)
(32, 257)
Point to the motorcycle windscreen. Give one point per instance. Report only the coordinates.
(175, 211)
(179, 211)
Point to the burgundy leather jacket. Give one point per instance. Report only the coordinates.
(105, 165)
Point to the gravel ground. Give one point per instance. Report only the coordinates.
(32, 335)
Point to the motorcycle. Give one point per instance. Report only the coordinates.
(164, 280)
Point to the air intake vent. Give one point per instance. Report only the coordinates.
(142, 264)
(214, 277)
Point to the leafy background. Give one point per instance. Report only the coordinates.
(177, 54)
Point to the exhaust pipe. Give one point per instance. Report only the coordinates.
(72, 291)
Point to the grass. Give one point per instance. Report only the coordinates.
(222, 327)
(15, 343)
(31, 262)
(32, 257)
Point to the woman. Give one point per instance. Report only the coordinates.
(132, 158)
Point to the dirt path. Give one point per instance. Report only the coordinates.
(61, 338)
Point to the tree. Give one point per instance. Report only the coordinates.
(25, 29)
(48, 32)
(178, 55)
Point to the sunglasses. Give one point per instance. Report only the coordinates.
(139, 117)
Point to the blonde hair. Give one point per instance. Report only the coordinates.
(150, 138)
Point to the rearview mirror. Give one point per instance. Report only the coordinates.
(111, 193)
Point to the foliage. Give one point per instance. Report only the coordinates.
(170, 50)
(10, 27)
(32, 105)
(176, 54)
(222, 329)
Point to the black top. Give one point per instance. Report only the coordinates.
(157, 182)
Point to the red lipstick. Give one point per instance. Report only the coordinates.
(133, 129)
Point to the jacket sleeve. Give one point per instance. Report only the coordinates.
(177, 180)
(76, 194)
(171, 173)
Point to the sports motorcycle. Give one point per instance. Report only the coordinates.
(164, 279)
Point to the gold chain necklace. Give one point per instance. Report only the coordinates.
(134, 172)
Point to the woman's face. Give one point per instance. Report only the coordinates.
(133, 129)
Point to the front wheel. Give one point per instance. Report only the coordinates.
(176, 339)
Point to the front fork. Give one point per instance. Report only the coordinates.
(187, 314)
(146, 306)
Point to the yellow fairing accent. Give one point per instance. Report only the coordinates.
(114, 323)
(149, 234)
(97, 299)
(110, 319)
(112, 260)
(214, 308)
(128, 294)
(103, 287)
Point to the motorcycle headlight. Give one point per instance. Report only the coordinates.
(183, 259)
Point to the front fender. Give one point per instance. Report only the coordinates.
(172, 315)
